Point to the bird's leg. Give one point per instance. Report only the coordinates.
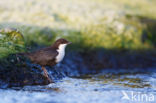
(46, 74)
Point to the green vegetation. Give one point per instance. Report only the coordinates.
(109, 24)
(11, 41)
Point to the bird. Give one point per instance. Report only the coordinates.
(48, 56)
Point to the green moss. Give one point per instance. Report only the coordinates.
(11, 41)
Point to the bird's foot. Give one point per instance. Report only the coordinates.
(46, 75)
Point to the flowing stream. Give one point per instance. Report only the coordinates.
(105, 87)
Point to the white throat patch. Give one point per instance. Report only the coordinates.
(61, 52)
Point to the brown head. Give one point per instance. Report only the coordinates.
(59, 42)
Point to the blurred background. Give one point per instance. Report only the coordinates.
(97, 25)
(94, 24)
(108, 36)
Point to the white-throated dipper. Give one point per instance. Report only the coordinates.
(49, 56)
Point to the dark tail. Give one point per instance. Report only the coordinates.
(19, 55)
(22, 54)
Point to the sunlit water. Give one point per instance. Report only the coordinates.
(99, 88)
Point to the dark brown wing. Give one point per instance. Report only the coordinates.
(44, 56)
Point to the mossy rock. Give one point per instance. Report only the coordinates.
(11, 41)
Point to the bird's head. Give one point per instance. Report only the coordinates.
(61, 43)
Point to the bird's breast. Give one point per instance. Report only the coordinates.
(61, 52)
(60, 56)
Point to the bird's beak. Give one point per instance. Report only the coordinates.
(69, 42)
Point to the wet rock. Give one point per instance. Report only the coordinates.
(20, 74)
(14, 72)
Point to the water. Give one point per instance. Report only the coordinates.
(99, 88)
